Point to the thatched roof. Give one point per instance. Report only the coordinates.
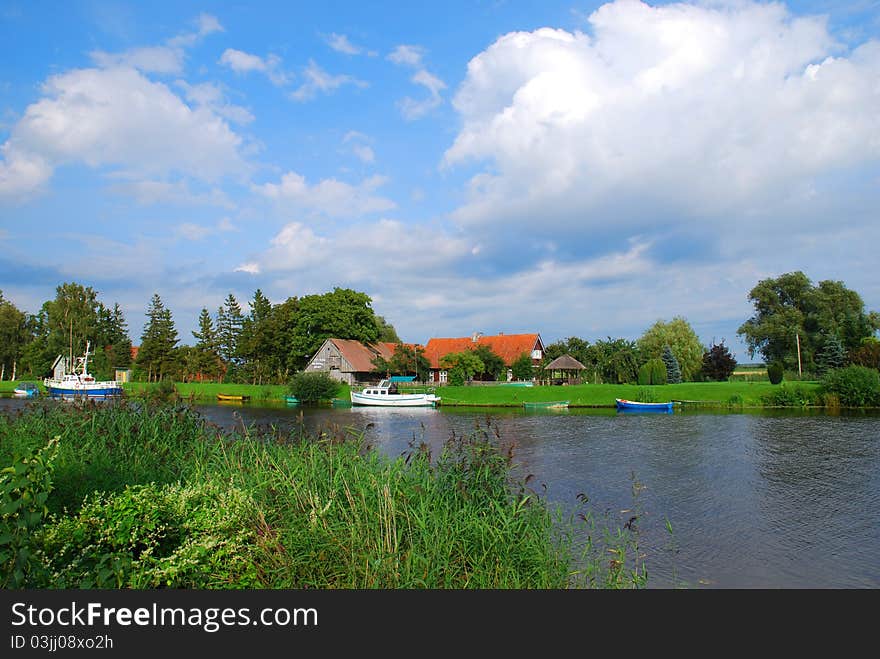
(565, 363)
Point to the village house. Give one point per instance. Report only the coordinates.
(507, 346)
(349, 361)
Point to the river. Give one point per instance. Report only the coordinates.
(763, 499)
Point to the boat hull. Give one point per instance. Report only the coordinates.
(79, 393)
(394, 400)
(635, 406)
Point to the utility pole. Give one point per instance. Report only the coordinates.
(798, 337)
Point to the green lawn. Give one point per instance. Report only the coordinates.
(603, 395)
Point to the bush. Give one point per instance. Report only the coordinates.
(718, 363)
(791, 396)
(652, 371)
(775, 372)
(855, 386)
(313, 387)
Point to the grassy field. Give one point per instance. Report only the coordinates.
(747, 394)
(209, 390)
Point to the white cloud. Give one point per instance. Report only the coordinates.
(118, 119)
(192, 231)
(678, 113)
(341, 44)
(211, 96)
(250, 268)
(407, 55)
(329, 196)
(242, 62)
(318, 80)
(411, 108)
(415, 109)
(165, 59)
(360, 146)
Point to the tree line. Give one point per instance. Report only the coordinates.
(796, 325)
(267, 343)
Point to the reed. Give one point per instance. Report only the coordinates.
(152, 496)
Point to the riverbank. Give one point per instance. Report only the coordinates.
(147, 496)
(706, 394)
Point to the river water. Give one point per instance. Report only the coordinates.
(767, 499)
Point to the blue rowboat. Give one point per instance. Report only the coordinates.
(636, 406)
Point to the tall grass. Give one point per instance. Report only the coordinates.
(152, 496)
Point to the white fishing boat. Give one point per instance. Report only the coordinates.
(74, 382)
(385, 394)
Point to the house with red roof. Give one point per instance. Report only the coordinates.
(348, 360)
(507, 346)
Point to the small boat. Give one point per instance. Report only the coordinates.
(26, 390)
(74, 382)
(292, 400)
(546, 405)
(235, 398)
(385, 394)
(636, 406)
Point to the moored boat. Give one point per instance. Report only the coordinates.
(385, 394)
(546, 405)
(236, 398)
(292, 400)
(74, 382)
(636, 406)
(26, 390)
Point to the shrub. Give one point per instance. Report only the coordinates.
(855, 386)
(791, 396)
(718, 363)
(313, 387)
(774, 372)
(652, 371)
(522, 367)
(150, 536)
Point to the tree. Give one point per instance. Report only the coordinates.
(254, 346)
(831, 354)
(14, 336)
(718, 363)
(205, 359)
(653, 371)
(682, 340)
(229, 324)
(789, 311)
(386, 331)
(342, 314)
(313, 387)
(493, 364)
(673, 371)
(156, 354)
(867, 354)
(616, 360)
(523, 367)
(462, 366)
(406, 360)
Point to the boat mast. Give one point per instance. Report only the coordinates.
(86, 360)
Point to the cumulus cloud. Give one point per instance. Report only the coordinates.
(242, 62)
(317, 80)
(676, 113)
(117, 119)
(212, 96)
(328, 197)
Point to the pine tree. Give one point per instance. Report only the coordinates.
(206, 357)
(673, 371)
(156, 353)
(229, 324)
(832, 354)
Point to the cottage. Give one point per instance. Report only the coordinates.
(507, 346)
(348, 360)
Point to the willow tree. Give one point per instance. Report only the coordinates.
(681, 339)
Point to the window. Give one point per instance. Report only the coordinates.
(442, 376)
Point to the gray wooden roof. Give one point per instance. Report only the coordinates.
(566, 362)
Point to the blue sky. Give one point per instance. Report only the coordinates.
(571, 168)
